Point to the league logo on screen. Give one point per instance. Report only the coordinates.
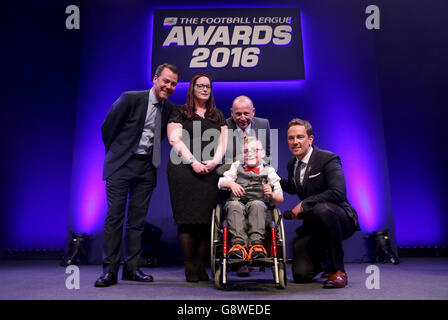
(230, 44)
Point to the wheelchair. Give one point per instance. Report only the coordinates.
(275, 245)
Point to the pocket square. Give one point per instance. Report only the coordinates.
(314, 176)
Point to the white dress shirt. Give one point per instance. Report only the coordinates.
(273, 178)
(147, 138)
(303, 166)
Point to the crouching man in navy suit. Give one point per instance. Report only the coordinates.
(316, 176)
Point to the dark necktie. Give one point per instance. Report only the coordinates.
(157, 135)
(297, 177)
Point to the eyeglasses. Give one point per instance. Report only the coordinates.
(252, 150)
(201, 86)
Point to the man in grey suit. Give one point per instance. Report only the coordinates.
(132, 133)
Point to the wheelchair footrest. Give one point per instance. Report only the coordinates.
(262, 262)
(234, 264)
(236, 261)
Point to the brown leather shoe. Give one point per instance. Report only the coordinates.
(337, 279)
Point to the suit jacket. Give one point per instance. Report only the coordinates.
(255, 124)
(323, 182)
(122, 129)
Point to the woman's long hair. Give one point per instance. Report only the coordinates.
(210, 113)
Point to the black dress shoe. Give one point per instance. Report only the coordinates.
(106, 280)
(202, 274)
(137, 275)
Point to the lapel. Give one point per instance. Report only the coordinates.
(290, 169)
(232, 125)
(164, 110)
(253, 126)
(142, 104)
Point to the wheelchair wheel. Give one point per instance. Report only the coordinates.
(218, 277)
(280, 234)
(214, 241)
(282, 280)
(281, 246)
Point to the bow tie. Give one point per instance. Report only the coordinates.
(256, 170)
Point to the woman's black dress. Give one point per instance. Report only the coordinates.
(194, 196)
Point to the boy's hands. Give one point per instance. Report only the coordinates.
(267, 190)
(237, 189)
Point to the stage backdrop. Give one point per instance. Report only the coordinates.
(338, 94)
(230, 44)
(365, 91)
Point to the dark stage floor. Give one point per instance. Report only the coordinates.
(414, 278)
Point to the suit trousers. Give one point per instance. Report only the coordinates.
(135, 180)
(247, 222)
(322, 233)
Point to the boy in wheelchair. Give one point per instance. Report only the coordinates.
(255, 185)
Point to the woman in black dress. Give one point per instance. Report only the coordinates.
(198, 133)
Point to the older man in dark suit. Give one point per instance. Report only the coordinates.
(132, 133)
(316, 176)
